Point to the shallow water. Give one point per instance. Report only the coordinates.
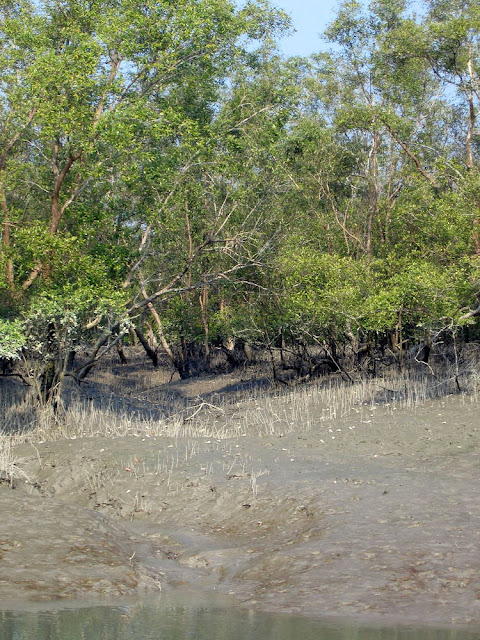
(170, 619)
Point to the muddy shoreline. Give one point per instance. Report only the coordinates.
(373, 516)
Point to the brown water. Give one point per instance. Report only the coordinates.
(169, 619)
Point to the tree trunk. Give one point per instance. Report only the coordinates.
(102, 340)
(144, 342)
(203, 300)
(121, 353)
(6, 235)
(373, 195)
(161, 336)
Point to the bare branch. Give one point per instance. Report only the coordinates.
(473, 313)
(250, 117)
(115, 63)
(13, 140)
(428, 176)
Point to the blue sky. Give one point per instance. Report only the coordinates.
(310, 17)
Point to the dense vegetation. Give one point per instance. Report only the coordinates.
(166, 176)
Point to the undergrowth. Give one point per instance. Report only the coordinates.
(140, 403)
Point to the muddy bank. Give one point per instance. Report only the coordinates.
(374, 515)
(51, 550)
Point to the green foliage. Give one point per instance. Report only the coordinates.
(163, 151)
(58, 321)
(323, 293)
(12, 339)
(328, 295)
(413, 292)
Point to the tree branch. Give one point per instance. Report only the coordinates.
(412, 157)
(16, 136)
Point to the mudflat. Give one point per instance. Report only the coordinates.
(373, 514)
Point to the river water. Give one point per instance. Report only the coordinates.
(210, 619)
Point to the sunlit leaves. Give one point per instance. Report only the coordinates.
(12, 339)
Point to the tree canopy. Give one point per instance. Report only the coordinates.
(163, 167)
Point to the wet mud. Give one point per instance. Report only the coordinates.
(373, 516)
